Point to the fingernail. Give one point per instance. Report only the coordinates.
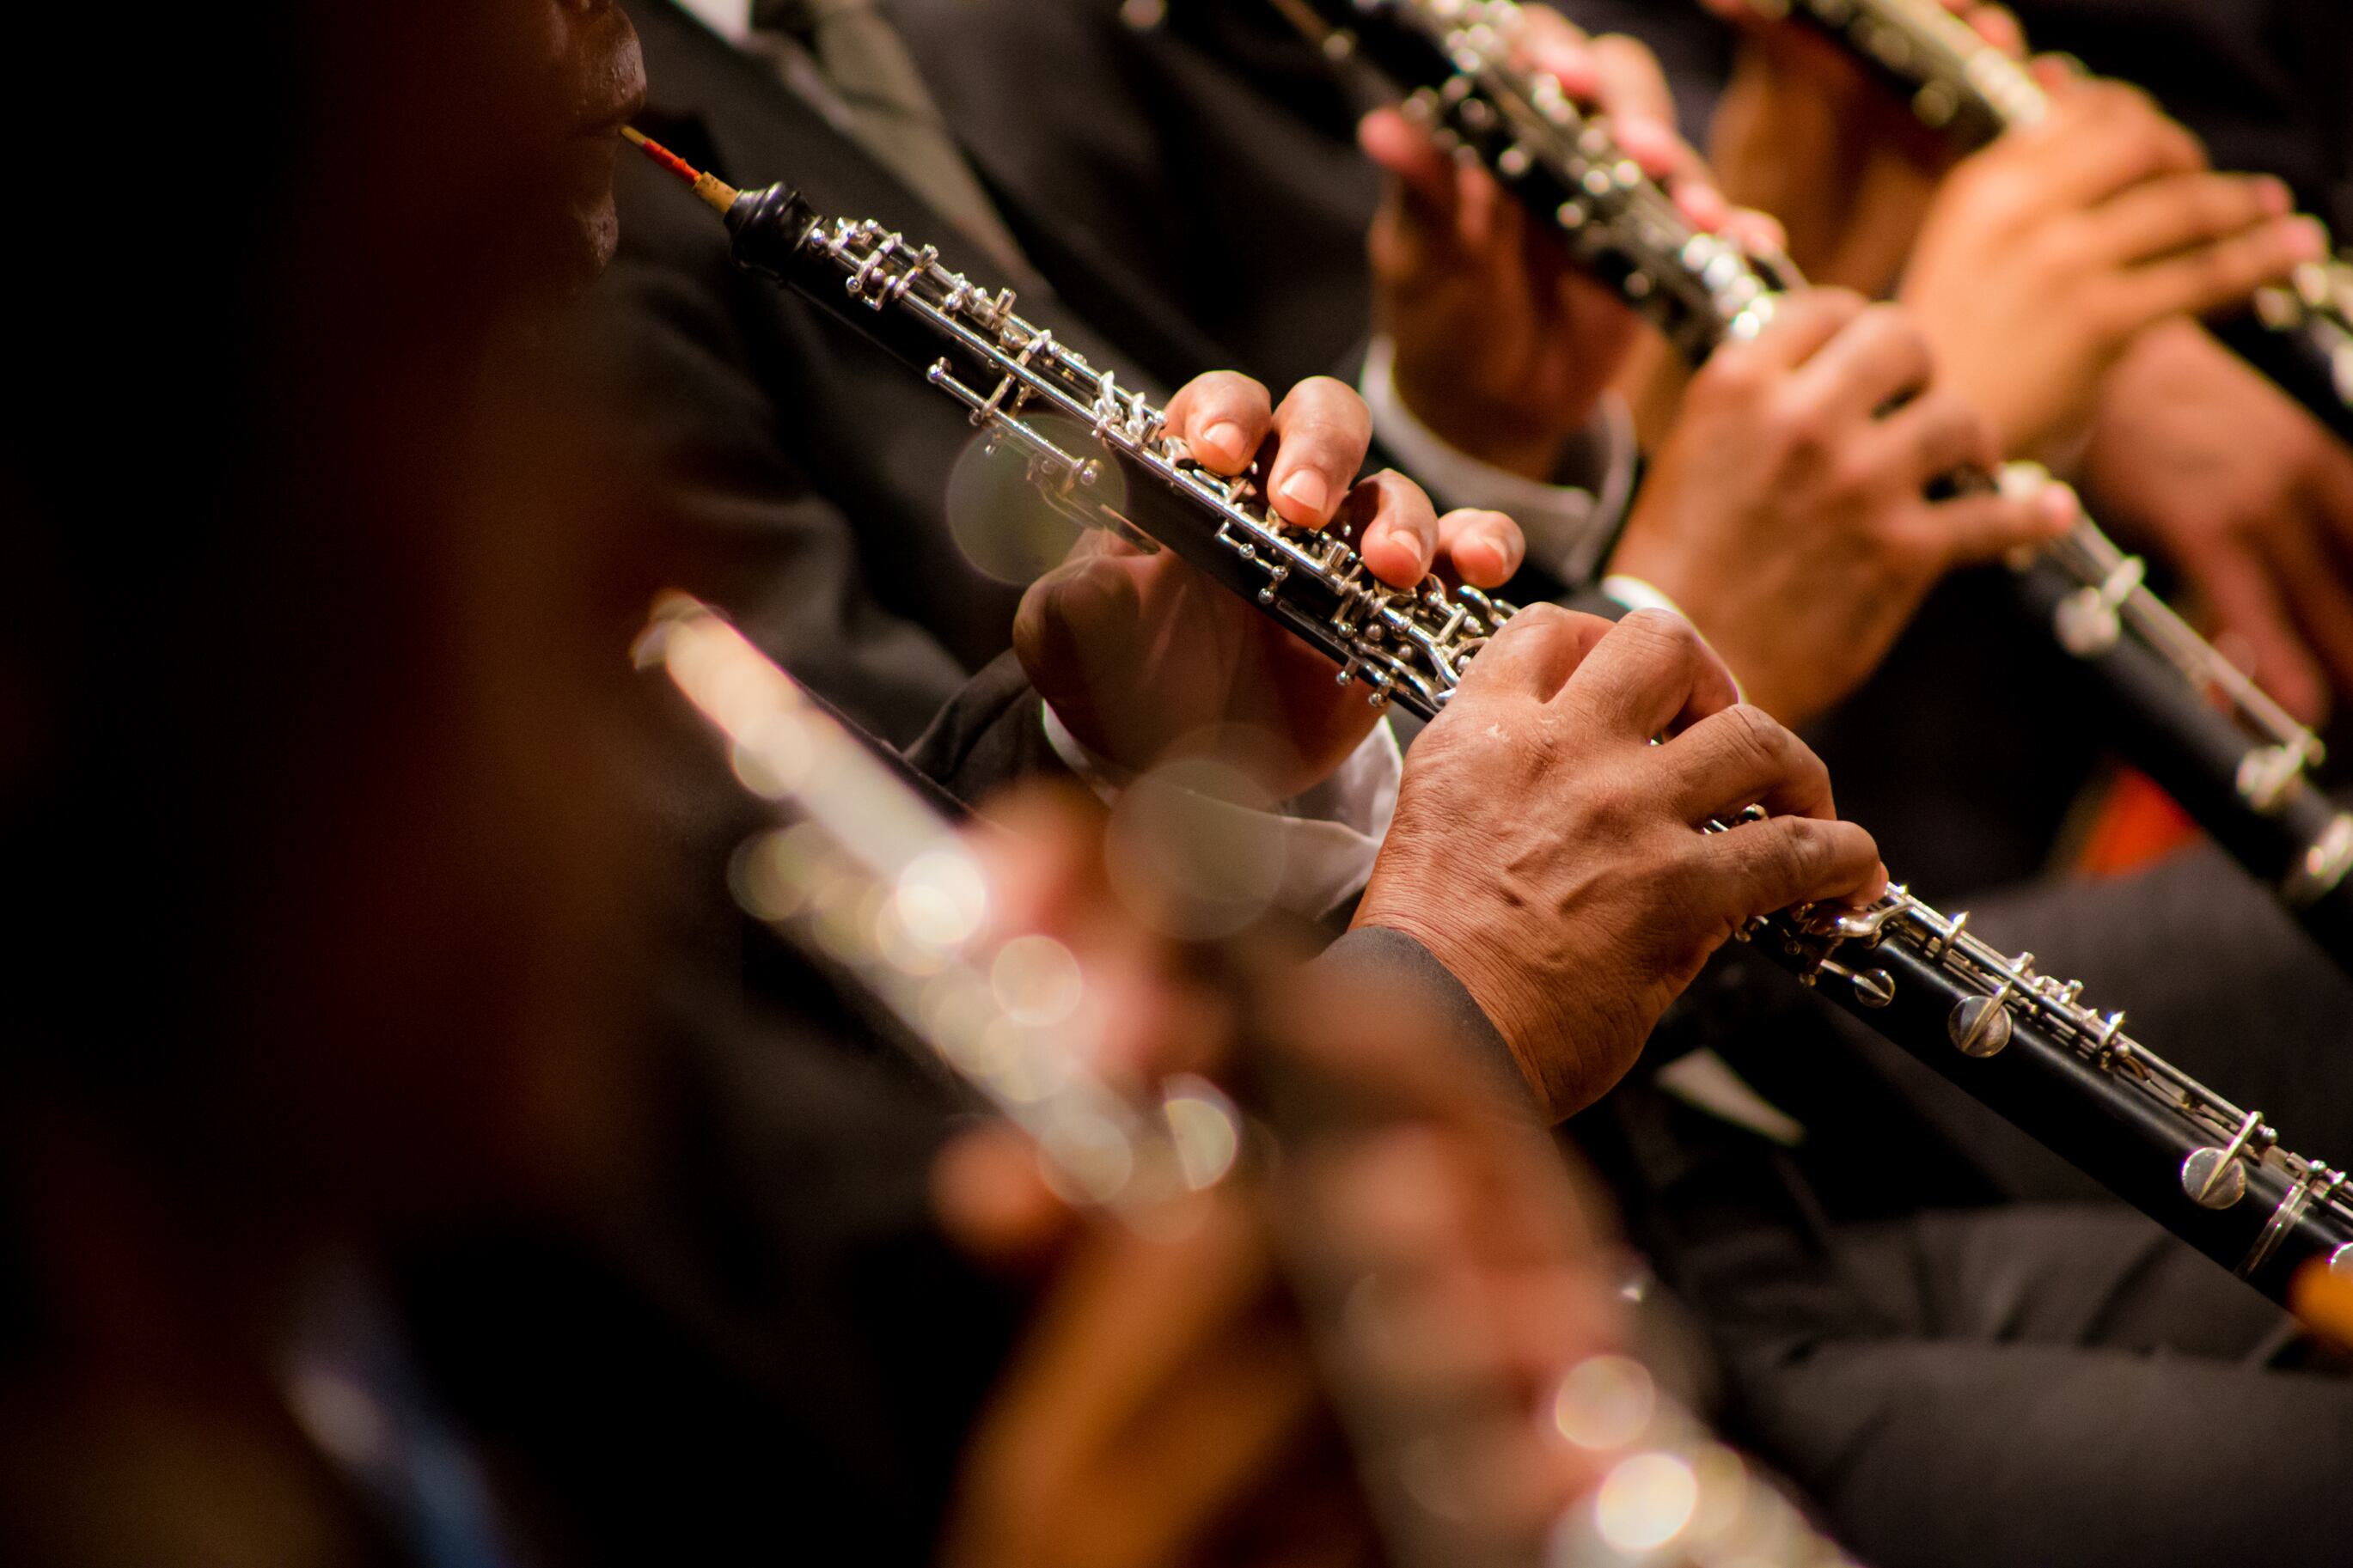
(1223, 439)
(2277, 199)
(2309, 242)
(1307, 490)
(2060, 506)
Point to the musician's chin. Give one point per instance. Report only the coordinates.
(595, 222)
(599, 226)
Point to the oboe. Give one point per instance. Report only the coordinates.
(2232, 757)
(2022, 1042)
(874, 883)
(2300, 332)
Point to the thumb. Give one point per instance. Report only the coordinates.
(1075, 618)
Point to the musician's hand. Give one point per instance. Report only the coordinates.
(1503, 348)
(1803, 132)
(2045, 254)
(1550, 858)
(1484, 1272)
(1161, 1409)
(1162, 1383)
(1786, 514)
(1137, 653)
(2247, 494)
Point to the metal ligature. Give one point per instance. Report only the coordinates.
(2300, 332)
(2217, 743)
(2024, 1043)
(871, 881)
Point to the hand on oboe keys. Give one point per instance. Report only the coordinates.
(1551, 857)
(2247, 493)
(2045, 262)
(2046, 255)
(1804, 133)
(1137, 652)
(1503, 348)
(1788, 512)
(1166, 1410)
(1165, 1406)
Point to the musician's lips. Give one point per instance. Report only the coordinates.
(618, 93)
(615, 95)
(606, 124)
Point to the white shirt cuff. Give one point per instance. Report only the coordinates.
(1637, 594)
(1324, 841)
(1568, 525)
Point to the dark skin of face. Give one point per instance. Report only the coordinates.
(595, 82)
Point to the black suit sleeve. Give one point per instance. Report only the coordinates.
(1390, 959)
(992, 733)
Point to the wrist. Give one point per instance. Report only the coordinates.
(1501, 992)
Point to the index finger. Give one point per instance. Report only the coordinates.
(1221, 417)
(1650, 675)
(1321, 432)
(1534, 653)
(1633, 92)
(1425, 172)
(2103, 137)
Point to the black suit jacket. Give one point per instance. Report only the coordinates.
(1210, 160)
(807, 481)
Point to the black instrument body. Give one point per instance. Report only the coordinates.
(2022, 1041)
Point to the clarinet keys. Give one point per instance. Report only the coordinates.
(2211, 1180)
(1980, 1027)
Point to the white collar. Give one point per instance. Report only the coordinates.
(731, 19)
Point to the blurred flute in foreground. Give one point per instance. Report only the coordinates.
(2022, 1042)
(871, 881)
(2244, 769)
(2300, 332)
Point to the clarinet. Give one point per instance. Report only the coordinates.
(2244, 769)
(2299, 334)
(2022, 1042)
(874, 885)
